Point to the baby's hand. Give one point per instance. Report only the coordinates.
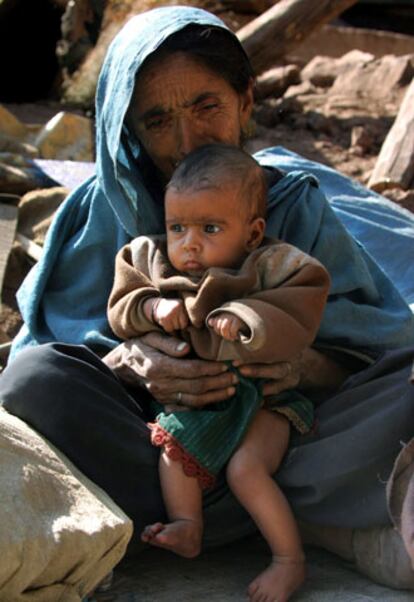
(228, 326)
(170, 314)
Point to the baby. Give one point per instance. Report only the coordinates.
(234, 296)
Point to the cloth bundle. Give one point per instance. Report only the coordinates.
(60, 534)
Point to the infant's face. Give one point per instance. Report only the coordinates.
(208, 228)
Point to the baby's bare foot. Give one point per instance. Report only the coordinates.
(278, 582)
(183, 536)
(150, 531)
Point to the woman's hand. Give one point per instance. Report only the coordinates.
(156, 361)
(310, 370)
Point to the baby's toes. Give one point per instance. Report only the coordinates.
(151, 531)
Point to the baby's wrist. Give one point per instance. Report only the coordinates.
(150, 307)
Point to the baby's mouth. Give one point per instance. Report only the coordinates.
(193, 264)
(193, 267)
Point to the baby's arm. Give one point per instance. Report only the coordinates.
(170, 314)
(282, 318)
(228, 326)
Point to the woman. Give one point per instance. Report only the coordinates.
(174, 79)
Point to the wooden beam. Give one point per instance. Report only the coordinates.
(395, 162)
(284, 26)
(31, 248)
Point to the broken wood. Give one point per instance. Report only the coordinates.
(248, 6)
(284, 26)
(395, 163)
(32, 249)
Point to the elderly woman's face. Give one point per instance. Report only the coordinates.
(180, 104)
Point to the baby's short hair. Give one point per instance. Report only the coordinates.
(214, 165)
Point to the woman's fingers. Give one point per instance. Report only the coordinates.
(278, 377)
(212, 388)
(280, 370)
(199, 400)
(274, 387)
(173, 348)
(149, 361)
(165, 343)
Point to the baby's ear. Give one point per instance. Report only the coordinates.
(256, 233)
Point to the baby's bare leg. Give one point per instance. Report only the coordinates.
(182, 498)
(249, 474)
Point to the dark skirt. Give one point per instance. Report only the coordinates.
(336, 475)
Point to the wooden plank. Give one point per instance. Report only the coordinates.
(395, 163)
(31, 248)
(8, 223)
(284, 26)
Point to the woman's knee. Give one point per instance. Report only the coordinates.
(41, 377)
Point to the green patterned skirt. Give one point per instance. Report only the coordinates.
(204, 440)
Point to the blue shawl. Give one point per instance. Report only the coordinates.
(64, 297)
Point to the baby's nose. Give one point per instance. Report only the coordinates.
(191, 240)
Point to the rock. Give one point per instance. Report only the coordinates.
(404, 198)
(276, 81)
(16, 180)
(36, 210)
(78, 23)
(66, 137)
(10, 125)
(18, 175)
(267, 113)
(361, 139)
(273, 111)
(15, 160)
(376, 79)
(323, 70)
(336, 41)
(320, 124)
(301, 89)
(10, 145)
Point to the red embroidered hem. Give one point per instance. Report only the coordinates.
(174, 450)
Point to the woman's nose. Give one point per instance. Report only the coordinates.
(189, 137)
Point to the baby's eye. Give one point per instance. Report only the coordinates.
(211, 228)
(176, 228)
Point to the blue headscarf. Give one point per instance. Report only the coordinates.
(64, 297)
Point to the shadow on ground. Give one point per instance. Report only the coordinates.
(222, 575)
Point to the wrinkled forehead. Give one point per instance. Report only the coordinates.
(141, 37)
(139, 40)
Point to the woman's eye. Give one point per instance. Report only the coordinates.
(207, 107)
(211, 229)
(157, 123)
